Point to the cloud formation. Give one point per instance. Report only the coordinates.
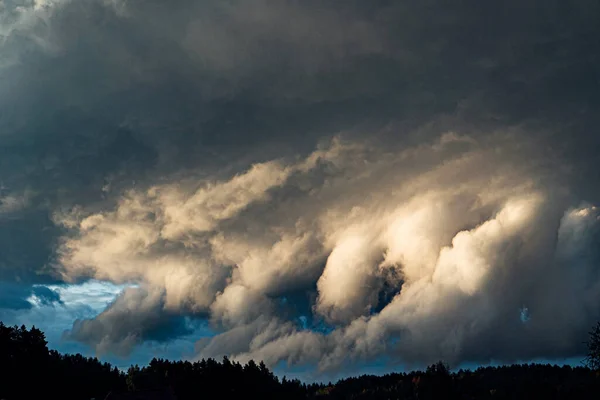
(135, 315)
(466, 233)
(324, 184)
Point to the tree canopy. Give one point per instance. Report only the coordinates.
(31, 370)
(593, 344)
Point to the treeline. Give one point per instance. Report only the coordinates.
(30, 370)
(526, 381)
(209, 379)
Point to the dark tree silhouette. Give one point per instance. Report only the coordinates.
(29, 370)
(593, 346)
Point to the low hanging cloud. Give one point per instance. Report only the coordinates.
(137, 314)
(323, 184)
(465, 232)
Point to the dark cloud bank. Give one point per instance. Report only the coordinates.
(326, 183)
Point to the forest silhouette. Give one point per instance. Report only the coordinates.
(31, 371)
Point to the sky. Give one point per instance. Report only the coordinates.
(331, 187)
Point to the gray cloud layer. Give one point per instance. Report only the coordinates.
(326, 184)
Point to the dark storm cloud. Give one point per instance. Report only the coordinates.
(16, 296)
(194, 78)
(135, 316)
(140, 113)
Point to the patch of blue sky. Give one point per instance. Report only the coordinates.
(84, 300)
(93, 294)
(524, 315)
(308, 322)
(87, 300)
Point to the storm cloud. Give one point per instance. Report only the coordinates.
(325, 184)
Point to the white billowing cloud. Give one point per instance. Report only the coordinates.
(294, 347)
(432, 314)
(436, 312)
(263, 265)
(349, 286)
(417, 231)
(475, 253)
(458, 234)
(121, 247)
(239, 305)
(212, 203)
